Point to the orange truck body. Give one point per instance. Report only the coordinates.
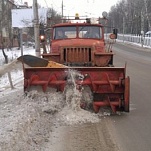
(91, 57)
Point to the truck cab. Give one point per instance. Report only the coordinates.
(79, 44)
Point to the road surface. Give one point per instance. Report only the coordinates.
(133, 130)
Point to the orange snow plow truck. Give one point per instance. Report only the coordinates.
(80, 46)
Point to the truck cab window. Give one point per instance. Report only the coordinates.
(64, 32)
(90, 32)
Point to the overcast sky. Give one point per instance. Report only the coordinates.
(83, 7)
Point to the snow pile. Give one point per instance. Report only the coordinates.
(71, 117)
(68, 112)
(75, 95)
(17, 117)
(50, 102)
(25, 119)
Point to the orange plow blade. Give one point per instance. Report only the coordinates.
(109, 85)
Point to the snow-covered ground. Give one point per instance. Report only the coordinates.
(16, 69)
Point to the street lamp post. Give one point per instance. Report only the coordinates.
(142, 29)
(123, 28)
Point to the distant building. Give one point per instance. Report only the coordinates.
(9, 35)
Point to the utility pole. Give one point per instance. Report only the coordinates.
(62, 9)
(21, 40)
(36, 28)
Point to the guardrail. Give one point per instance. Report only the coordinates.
(144, 41)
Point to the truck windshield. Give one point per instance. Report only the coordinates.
(90, 32)
(83, 32)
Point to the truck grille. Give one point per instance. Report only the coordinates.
(77, 55)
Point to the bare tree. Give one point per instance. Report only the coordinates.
(2, 29)
(5, 26)
(136, 14)
(147, 14)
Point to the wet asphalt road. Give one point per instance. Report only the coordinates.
(132, 131)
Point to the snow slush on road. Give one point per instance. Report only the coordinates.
(74, 106)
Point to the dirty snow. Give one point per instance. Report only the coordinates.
(27, 119)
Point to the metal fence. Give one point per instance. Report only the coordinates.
(144, 41)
